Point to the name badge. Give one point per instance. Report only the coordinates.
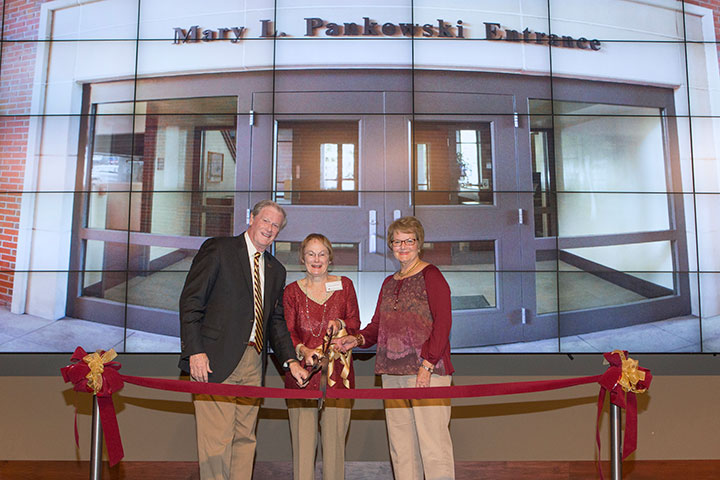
(333, 286)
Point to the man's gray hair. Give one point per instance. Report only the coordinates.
(269, 203)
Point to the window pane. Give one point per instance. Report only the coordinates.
(348, 167)
(183, 145)
(421, 162)
(469, 268)
(316, 163)
(105, 268)
(649, 262)
(453, 163)
(345, 259)
(158, 289)
(602, 149)
(603, 213)
(603, 276)
(543, 179)
(329, 165)
(153, 277)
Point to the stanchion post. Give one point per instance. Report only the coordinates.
(615, 443)
(96, 443)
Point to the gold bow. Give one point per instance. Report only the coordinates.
(630, 375)
(97, 362)
(333, 354)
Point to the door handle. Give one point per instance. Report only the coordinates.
(372, 231)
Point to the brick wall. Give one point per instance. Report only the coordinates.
(17, 63)
(20, 23)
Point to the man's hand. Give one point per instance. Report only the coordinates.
(199, 367)
(298, 373)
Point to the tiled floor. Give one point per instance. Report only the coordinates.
(27, 333)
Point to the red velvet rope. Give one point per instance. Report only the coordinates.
(113, 382)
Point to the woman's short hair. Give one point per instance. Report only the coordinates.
(316, 236)
(269, 203)
(406, 225)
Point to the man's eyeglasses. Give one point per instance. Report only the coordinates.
(408, 242)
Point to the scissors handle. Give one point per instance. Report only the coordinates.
(318, 364)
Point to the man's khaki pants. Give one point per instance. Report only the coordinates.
(226, 425)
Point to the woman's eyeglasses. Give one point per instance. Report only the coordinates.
(408, 242)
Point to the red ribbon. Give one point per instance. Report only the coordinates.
(113, 382)
(609, 381)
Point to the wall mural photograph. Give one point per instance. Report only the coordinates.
(561, 155)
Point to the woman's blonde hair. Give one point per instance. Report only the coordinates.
(406, 225)
(316, 236)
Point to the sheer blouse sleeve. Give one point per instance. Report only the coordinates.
(438, 292)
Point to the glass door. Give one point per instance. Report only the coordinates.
(327, 171)
(463, 188)
(609, 231)
(159, 179)
(349, 176)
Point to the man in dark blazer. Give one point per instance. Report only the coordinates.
(224, 341)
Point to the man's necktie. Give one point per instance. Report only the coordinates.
(258, 303)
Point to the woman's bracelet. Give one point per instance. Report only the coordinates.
(360, 339)
(429, 369)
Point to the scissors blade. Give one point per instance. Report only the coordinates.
(323, 381)
(327, 341)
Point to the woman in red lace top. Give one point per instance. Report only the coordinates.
(411, 327)
(317, 305)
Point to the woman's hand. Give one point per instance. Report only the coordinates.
(423, 378)
(343, 344)
(309, 355)
(334, 326)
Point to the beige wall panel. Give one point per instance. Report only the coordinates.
(678, 420)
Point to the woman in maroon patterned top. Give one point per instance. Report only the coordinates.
(411, 327)
(315, 305)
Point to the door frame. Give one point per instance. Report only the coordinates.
(395, 103)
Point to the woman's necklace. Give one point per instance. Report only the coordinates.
(397, 294)
(400, 275)
(307, 314)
